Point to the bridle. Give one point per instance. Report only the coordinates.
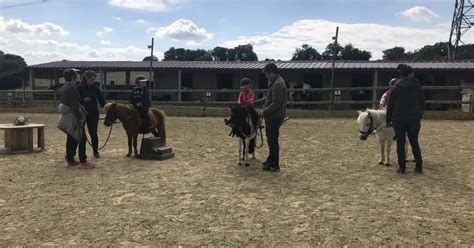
(371, 126)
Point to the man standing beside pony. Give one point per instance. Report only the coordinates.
(274, 113)
(405, 109)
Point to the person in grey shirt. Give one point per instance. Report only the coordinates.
(274, 113)
(72, 115)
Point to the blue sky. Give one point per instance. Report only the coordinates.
(122, 29)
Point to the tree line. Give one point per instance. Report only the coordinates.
(438, 51)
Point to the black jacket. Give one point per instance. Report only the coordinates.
(406, 101)
(94, 93)
(140, 99)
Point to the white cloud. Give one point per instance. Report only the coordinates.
(105, 42)
(104, 31)
(420, 13)
(43, 54)
(56, 44)
(147, 5)
(317, 33)
(185, 31)
(116, 18)
(19, 27)
(141, 21)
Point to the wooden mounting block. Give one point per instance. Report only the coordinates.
(152, 149)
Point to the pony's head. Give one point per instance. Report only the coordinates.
(366, 124)
(110, 114)
(237, 117)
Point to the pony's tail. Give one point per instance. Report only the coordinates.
(160, 115)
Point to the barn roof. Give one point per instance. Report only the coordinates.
(255, 65)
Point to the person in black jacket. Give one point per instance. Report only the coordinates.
(90, 94)
(405, 109)
(140, 99)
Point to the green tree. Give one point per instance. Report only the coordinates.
(438, 51)
(170, 54)
(219, 53)
(465, 52)
(349, 52)
(330, 50)
(245, 53)
(10, 63)
(393, 54)
(306, 52)
(148, 58)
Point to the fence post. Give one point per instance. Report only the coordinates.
(179, 86)
(374, 89)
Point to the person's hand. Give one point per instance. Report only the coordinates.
(87, 99)
(82, 122)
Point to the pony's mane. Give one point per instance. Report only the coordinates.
(107, 107)
(374, 112)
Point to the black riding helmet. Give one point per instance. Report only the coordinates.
(140, 78)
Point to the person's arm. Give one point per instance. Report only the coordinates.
(278, 94)
(422, 101)
(100, 98)
(81, 95)
(392, 98)
(75, 103)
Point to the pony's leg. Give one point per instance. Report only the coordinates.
(389, 149)
(247, 144)
(129, 145)
(240, 151)
(135, 138)
(382, 149)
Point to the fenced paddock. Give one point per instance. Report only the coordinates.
(330, 191)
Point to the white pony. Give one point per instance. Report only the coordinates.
(374, 122)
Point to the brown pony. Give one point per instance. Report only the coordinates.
(132, 122)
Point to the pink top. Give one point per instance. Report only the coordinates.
(384, 99)
(246, 98)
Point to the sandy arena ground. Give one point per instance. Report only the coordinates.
(330, 192)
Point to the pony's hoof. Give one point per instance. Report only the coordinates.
(240, 163)
(380, 163)
(247, 164)
(387, 164)
(128, 155)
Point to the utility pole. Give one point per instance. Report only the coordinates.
(150, 77)
(334, 56)
(463, 20)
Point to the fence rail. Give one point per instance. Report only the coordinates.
(33, 97)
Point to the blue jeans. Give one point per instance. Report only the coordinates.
(272, 130)
(412, 129)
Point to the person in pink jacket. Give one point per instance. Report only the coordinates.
(246, 96)
(385, 97)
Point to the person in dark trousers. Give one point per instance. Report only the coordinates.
(72, 120)
(140, 99)
(274, 112)
(405, 110)
(91, 95)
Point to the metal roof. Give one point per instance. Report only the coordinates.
(256, 65)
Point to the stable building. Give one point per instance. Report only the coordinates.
(169, 76)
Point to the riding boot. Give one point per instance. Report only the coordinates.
(419, 167)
